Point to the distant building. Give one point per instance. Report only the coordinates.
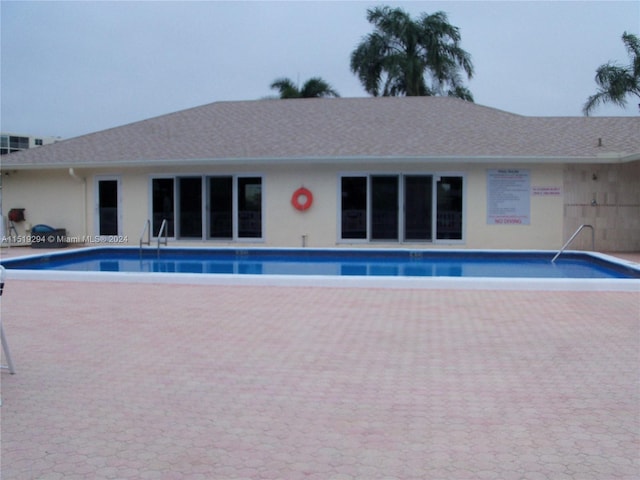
(11, 142)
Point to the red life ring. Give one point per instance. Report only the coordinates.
(300, 194)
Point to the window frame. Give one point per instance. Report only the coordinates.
(97, 221)
(206, 205)
(401, 179)
(438, 179)
(174, 206)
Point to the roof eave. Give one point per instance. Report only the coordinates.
(329, 160)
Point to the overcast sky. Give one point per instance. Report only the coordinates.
(71, 68)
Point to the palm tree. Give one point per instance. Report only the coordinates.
(616, 82)
(315, 87)
(411, 57)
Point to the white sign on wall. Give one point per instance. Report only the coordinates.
(508, 197)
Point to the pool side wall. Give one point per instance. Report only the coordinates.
(395, 282)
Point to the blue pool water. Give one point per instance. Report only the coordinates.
(334, 262)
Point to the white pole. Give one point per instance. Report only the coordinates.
(5, 345)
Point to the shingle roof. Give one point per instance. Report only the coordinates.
(341, 128)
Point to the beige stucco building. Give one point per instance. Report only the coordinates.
(425, 172)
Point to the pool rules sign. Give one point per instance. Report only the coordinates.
(508, 197)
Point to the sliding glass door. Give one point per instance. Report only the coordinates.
(249, 207)
(418, 207)
(163, 205)
(215, 207)
(401, 207)
(449, 225)
(190, 207)
(384, 207)
(221, 207)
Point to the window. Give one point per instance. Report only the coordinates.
(401, 207)
(220, 207)
(18, 143)
(12, 143)
(384, 208)
(418, 207)
(250, 207)
(162, 204)
(38, 142)
(190, 207)
(216, 207)
(449, 225)
(108, 207)
(354, 207)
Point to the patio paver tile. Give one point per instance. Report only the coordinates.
(176, 381)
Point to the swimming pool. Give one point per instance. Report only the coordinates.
(299, 266)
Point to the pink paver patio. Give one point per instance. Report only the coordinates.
(146, 381)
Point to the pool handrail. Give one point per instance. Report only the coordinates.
(146, 229)
(593, 240)
(163, 228)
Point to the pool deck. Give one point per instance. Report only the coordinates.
(161, 381)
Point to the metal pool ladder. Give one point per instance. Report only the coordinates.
(163, 229)
(147, 230)
(593, 240)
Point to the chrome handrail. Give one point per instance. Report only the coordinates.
(163, 228)
(593, 240)
(147, 230)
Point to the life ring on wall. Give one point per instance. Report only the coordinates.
(302, 199)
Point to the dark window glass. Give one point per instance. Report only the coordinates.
(190, 207)
(250, 207)
(449, 214)
(163, 205)
(354, 207)
(221, 207)
(384, 208)
(108, 207)
(417, 207)
(19, 142)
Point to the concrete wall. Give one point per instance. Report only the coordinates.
(50, 197)
(545, 228)
(606, 196)
(56, 198)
